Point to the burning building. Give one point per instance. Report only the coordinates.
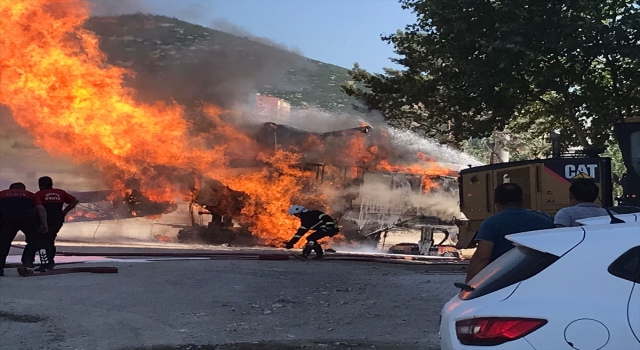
(60, 88)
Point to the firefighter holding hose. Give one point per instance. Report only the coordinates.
(314, 220)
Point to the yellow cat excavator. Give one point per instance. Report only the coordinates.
(545, 182)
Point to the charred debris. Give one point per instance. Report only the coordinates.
(369, 203)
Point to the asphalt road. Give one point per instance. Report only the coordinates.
(227, 304)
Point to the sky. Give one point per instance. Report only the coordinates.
(340, 32)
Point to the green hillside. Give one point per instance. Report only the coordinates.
(187, 62)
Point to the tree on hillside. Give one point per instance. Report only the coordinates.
(476, 66)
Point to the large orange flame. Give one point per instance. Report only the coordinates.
(426, 172)
(56, 82)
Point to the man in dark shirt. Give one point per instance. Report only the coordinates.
(511, 218)
(322, 223)
(18, 211)
(52, 200)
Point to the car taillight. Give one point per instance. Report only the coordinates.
(495, 330)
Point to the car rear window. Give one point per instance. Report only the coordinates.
(627, 266)
(514, 266)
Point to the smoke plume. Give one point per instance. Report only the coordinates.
(403, 144)
(202, 65)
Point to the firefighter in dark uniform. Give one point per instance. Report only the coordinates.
(52, 200)
(314, 220)
(18, 211)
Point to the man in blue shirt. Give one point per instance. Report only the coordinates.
(511, 218)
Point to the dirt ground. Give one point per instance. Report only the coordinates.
(227, 304)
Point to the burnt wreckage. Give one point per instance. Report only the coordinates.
(103, 205)
(362, 213)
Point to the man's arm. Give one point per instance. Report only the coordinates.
(301, 232)
(70, 207)
(42, 213)
(71, 203)
(480, 259)
(487, 236)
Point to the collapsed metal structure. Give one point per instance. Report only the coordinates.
(362, 214)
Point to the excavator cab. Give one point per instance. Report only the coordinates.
(627, 132)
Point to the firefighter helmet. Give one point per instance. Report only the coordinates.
(296, 209)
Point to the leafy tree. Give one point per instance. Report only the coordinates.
(477, 148)
(471, 67)
(617, 167)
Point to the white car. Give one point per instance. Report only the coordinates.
(565, 288)
(599, 220)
